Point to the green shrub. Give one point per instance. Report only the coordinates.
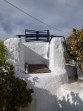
(13, 91)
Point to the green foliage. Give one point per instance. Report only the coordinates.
(2, 51)
(13, 91)
(75, 44)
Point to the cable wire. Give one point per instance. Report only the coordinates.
(31, 15)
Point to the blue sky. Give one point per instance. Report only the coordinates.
(63, 15)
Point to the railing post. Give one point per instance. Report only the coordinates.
(19, 36)
(37, 35)
(48, 35)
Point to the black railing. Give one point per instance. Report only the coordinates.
(42, 35)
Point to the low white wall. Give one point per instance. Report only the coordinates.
(51, 95)
(45, 87)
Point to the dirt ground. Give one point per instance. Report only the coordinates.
(38, 68)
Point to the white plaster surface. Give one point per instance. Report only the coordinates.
(49, 92)
(36, 52)
(56, 59)
(13, 47)
(70, 96)
(45, 85)
(15, 52)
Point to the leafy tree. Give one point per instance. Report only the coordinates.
(75, 44)
(13, 91)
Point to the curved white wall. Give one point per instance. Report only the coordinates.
(45, 87)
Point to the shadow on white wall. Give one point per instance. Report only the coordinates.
(43, 100)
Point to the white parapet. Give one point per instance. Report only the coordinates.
(15, 52)
(45, 86)
(13, 47)
(56, 58)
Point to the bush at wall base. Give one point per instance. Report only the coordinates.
(13, 92)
